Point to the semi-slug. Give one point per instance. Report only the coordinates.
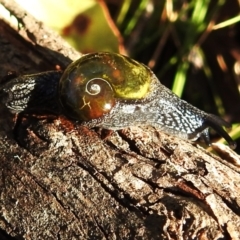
(111, 91)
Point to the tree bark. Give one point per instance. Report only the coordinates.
(60, 180)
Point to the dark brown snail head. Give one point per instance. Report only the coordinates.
(91, 86)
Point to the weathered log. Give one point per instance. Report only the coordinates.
(61, 180)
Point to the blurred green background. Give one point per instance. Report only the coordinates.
(193, 46)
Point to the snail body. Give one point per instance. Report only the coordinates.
(112, 91)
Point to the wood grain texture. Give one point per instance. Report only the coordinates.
(60, 180)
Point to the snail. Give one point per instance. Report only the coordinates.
(111, 91)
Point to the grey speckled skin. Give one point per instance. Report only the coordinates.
(166, 111)
(160, 108)
(31, 92)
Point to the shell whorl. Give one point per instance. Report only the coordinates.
(91, 86)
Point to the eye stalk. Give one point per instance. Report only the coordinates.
(111, 91)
